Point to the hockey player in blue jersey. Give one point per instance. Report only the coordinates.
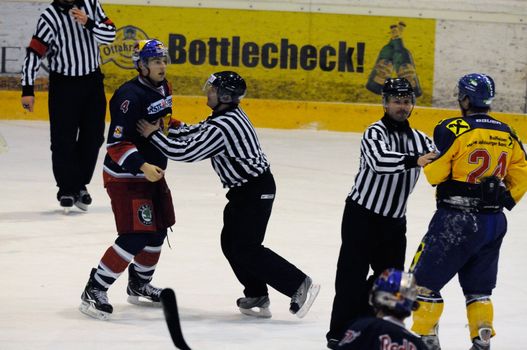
(393, 299)
(481, 169)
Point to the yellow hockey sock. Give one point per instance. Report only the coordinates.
(426, 317)
(480, 314)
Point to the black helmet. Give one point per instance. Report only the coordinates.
(399, 87)
(231, 86)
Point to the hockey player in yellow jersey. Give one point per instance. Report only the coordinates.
(481, 169)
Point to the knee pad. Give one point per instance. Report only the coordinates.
(426, 317)
(480, 314)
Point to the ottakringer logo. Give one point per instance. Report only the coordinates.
(144, 213)
(120, 51)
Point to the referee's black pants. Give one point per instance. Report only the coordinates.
(77, 108)
(244, 223)
(368, 240)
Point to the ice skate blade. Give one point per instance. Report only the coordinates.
(142, 301)
(258, 312)
(66, 210)
(88, 309)
(312, 293)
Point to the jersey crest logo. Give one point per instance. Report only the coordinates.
(124, 106)
(458, 126)
(144, 213)
(118, 132)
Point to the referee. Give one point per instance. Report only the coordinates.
(374, 223)
(229, 139)
(68, 33)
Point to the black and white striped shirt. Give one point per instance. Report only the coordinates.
(71, 48)
(388, 173)
(227, 137)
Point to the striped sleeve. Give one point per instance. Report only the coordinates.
(101, 26)
(204, 144)
(378, 155)
(38, 46)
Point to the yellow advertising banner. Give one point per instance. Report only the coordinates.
(282, 55)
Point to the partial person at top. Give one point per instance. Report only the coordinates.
(228, 138)
(68, 34)
(373, 228)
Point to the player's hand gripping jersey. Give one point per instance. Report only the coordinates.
(473, 150)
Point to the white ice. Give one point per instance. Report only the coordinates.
(46, 256)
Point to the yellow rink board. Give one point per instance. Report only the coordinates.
(277, 114)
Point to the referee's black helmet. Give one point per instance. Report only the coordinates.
(398, 87)
(231, 87)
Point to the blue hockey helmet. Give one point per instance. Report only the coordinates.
(479, 88)
(395, 292)
(146, 49)
(231, 87)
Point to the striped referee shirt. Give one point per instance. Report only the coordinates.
(71, 48)
(388, 167)
(228, 138)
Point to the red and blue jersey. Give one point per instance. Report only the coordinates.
(126, 149)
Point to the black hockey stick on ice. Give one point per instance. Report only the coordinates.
(168, 300)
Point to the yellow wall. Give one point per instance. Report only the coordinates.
(279, 114)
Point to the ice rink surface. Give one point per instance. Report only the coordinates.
(46, 256)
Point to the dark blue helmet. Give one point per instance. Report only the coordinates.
(145, 49)
(479, 88)
(231, 87)
(394, 292)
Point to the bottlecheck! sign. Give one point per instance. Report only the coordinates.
(282, 55)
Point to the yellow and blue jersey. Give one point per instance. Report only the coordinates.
(475, 147)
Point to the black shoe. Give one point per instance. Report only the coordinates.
(95, 300)
(66, 201)
(83, 200)
(333, 343)
(140, 291)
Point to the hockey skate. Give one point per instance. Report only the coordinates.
(95, 301)
(431, 341)
(304, 297)
(483, 341)
(256, 307)
(140, 291)
(66, 202)
(83, 200)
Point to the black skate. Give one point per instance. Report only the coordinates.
(95, 301)
(83, 200)
(140, 291)
(304, 297)
(66, 202)
(255, 306)
(431, 341)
